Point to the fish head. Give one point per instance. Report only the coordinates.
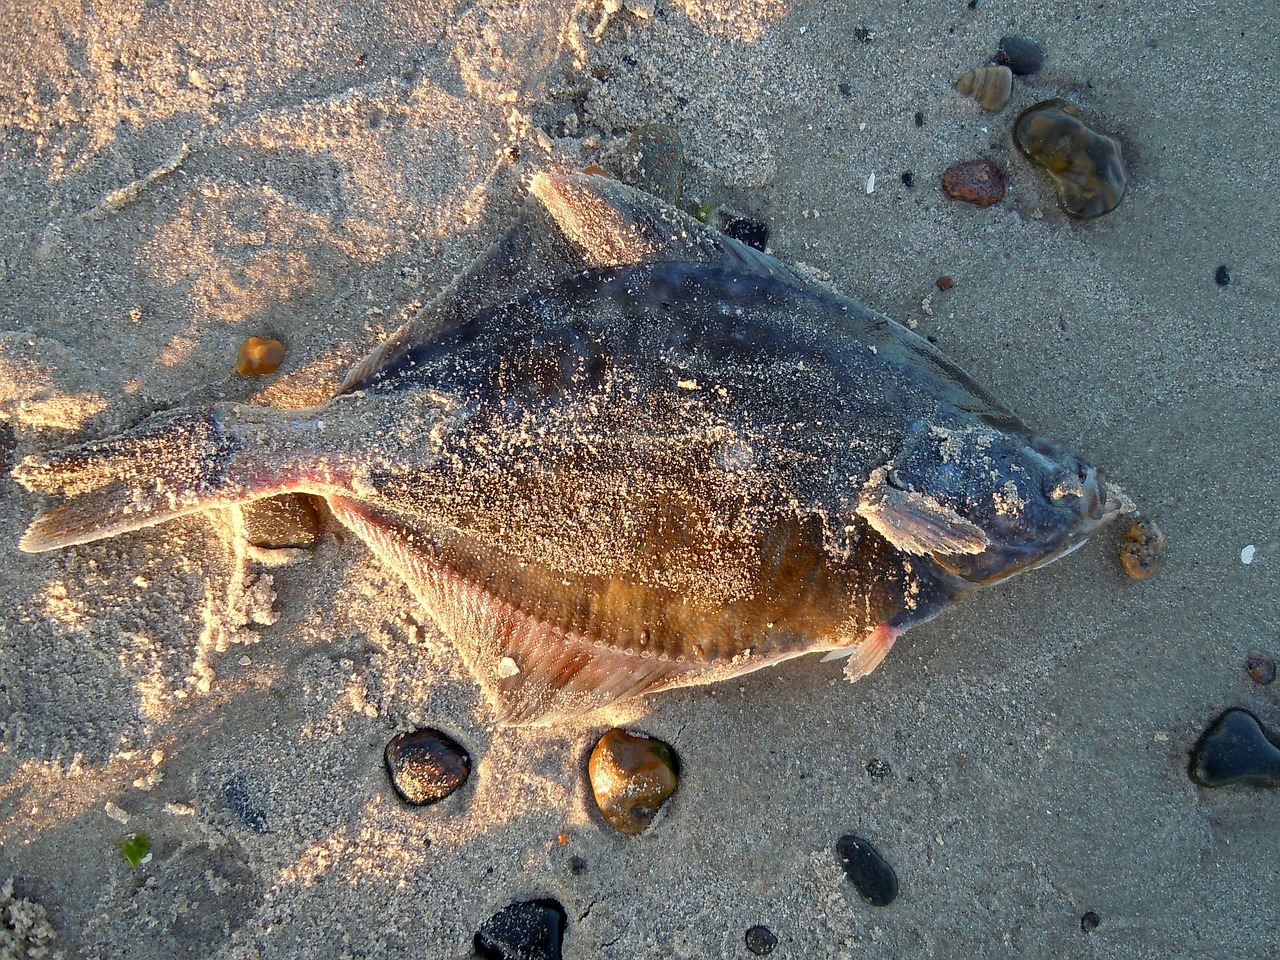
(986, 502)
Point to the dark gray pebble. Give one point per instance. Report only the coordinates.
(426, 765)
(761, 940)
(239, 800)
(751, 232)
(577, 866)
(529, 930)
(1222, 276)
(879, 769)
(1021, 55)
(1089, 922)
(1236, 749)
(869, 872)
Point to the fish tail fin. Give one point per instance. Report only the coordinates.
(169, 465)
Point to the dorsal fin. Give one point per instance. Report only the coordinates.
(570, 222)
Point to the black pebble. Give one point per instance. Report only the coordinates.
(908, 180)
(1024, 57)
(845, 89)
(577, 866)
(1222, 276)
(761, 940)
(1089, 922)
(869, 872)
(532, 930)
(426, 765)
(751, 232)
(1236, 749)
(919, 118)
(240, 801)
(879, 769)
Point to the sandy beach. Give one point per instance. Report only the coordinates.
(176, 179)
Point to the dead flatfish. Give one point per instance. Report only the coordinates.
(624, 453)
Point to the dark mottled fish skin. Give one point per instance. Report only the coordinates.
(624, 453)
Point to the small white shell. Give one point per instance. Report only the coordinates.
(990, 86)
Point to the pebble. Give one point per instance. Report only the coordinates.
(990, 86)
(979, 182)
(1236, 749)
(1089, 922)
(1222, 276)
(258, 357)
(869, 872)
(631, 777)
(1021, 55)
(751, 232)
(239, 800)
(761, 940)
(277, 523)
(426, 765)
(879, 769)
(945, 283)
(1142, 549)
(528, 930)
(1086, 166)
(1261, 667)
(660, 162)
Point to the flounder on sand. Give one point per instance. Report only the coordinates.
(624, 453)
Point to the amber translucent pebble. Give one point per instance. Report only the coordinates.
(258, 356)
(1142, 549)
(631, 777)
(1086, 166)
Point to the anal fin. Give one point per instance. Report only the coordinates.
(533, 671)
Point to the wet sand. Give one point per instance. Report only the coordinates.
(175, 181)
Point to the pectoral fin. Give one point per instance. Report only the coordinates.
(917, 523)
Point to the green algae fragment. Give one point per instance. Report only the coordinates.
(136, 848)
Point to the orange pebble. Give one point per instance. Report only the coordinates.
(978, 182)
(599, 171)
(258, 356)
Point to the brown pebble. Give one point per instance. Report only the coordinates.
(945, 283)
(1142, 549)
(596, 170)
(631, 777)
(275, 523)
(979, 182)
(1261, 667)
(258, 357)
(426, 765)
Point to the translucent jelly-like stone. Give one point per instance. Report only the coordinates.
(1086, 166)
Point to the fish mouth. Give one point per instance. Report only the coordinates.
(1097, 506)
(1101, 503)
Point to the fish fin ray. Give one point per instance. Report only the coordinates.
(532, 671)
(916, 523)
(864, 657)
(170, 465)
